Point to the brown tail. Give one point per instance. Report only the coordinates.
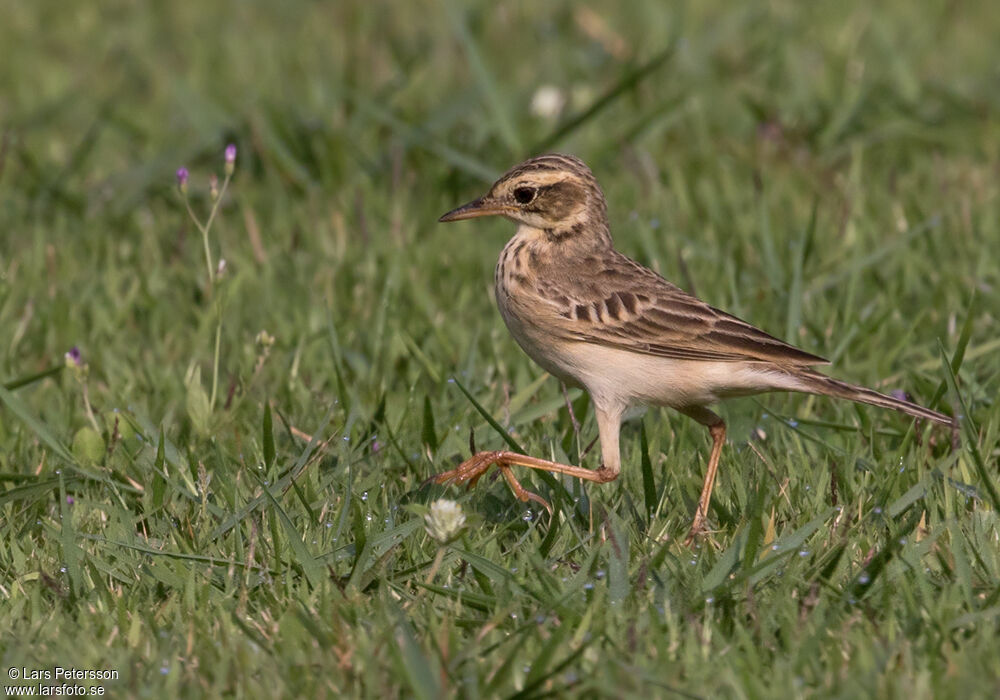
(817, 383)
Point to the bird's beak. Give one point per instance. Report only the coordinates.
(475, 208)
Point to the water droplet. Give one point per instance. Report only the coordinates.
(803, 552)
(62, 569)
(599, 574)
(709, 600)
(329, 525)
(527, 516)
(877, 510)
(864, 579)
(775, 547)
(793, 423)
(588, 586)
(693, 562)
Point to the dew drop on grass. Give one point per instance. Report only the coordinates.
(588, 586)
(864, 579)
(877, 510)
(775, 547)
(329, 525)
(793, 423)
(709, 600)
(803, 552)
(599, 574)
(693, 562)
(62, 569)
(364, 496)
(527, 516)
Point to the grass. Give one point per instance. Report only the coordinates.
(828, 172)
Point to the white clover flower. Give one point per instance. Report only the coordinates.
(547, 102)
(445, 520)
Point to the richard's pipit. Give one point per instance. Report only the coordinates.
(599, 320)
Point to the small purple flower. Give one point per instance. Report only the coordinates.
(70, 500)
(182, 179)
(230, 158)
(73, 356)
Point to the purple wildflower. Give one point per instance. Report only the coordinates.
(182, 180)
(74, 356)
(230, 158)
(70, 500)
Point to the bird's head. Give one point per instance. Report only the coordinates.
(556, 194)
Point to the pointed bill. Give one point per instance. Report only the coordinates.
(474, 209)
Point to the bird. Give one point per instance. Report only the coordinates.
(596, 319)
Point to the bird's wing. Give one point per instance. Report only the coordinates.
(628, 306)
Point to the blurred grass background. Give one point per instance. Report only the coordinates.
(828, 172)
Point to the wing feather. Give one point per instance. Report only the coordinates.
(631, 307)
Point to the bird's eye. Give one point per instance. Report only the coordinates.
(524, 195)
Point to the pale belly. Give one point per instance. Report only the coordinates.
(612, 375)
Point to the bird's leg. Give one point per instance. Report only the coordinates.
(473, 468)
(470, 471)
(717, 428)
